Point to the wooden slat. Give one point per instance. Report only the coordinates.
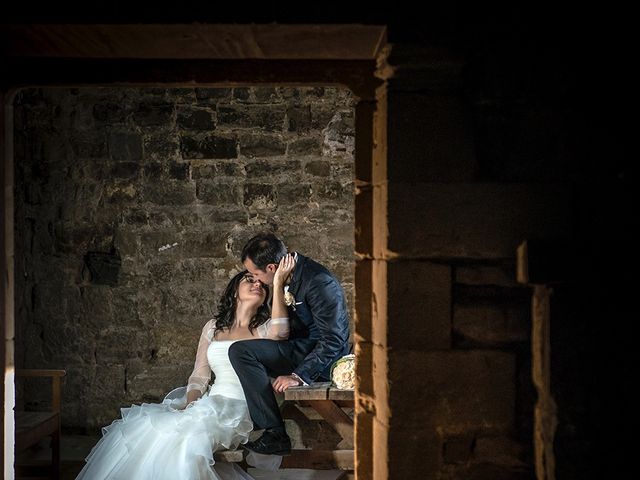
(31, 427)
(340, 421)
(320, 459)
(315, 391)
(213, 41)
(337, 394)
(230, 456)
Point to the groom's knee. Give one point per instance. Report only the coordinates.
(239, 351)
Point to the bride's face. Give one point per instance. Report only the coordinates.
(250, 290)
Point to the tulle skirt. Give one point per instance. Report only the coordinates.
(156, 442)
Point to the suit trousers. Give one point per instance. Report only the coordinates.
(255, 361)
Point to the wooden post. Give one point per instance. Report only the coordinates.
(540, 264)
(545, 409)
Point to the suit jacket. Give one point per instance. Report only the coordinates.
(319, 320)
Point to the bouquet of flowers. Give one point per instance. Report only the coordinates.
(343, 372)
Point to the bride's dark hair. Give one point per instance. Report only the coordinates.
(227, 306)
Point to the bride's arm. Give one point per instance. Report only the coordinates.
(201, 374)
(277, 327)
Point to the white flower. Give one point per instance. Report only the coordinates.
(289, 299)
(343, 374)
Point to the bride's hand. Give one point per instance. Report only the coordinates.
(285, 267)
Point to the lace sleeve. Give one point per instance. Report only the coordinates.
(201, 374)
(275, 329)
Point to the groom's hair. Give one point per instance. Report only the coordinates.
(263, 249)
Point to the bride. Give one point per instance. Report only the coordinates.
(160, 441)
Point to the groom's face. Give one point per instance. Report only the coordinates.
(265, 276)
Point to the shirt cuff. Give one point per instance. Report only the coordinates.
(295, 375)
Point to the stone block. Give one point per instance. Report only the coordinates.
(261, 146)
(269, 118)
(199, 269)
(500, 450)
(179, 171)
(153, 115)
(326, 117)
(211, 95)
(419, 305)
(457, 449)
(152, 241)
(474, 220)
(441, 150)
(121, 192)
(155, 381)
(108, 383)
(318, 168)
(265, 94)
(116, 346)
(170, 192)
(267, 169)
(125, 170)
(161, 147)
(190, 118)
(485, 471)
(335, 191)
(501, 275)
(221, 168)
(181, 95)
(153, 171)
(293, 194)
(205, 244)
(191, 302)
(207, 146)
(214, 193)
(90, 145)
(305, 146)
(242, 93)
(109, 113)
(125, 147)
(65, 344)
(259, 196)
(461, 391)
(491, 325)
(299, 118)
(125, 240)
(491, 295)
(339, 135)
(413, 451)
(135, 217)
(227, 214)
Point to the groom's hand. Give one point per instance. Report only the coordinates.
(283, 382)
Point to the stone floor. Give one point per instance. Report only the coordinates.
(74, 448)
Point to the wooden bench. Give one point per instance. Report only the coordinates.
(328, 402)
(31, 427)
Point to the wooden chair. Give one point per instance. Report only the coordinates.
(31, 427)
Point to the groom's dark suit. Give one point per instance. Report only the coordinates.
(319, 335)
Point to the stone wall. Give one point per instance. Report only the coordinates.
(132, 206)
(474, 167)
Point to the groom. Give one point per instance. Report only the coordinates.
(319, 335)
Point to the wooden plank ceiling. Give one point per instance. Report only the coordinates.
(195, 41)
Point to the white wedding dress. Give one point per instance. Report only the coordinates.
(158, 441)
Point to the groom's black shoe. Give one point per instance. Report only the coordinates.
(272, 442)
